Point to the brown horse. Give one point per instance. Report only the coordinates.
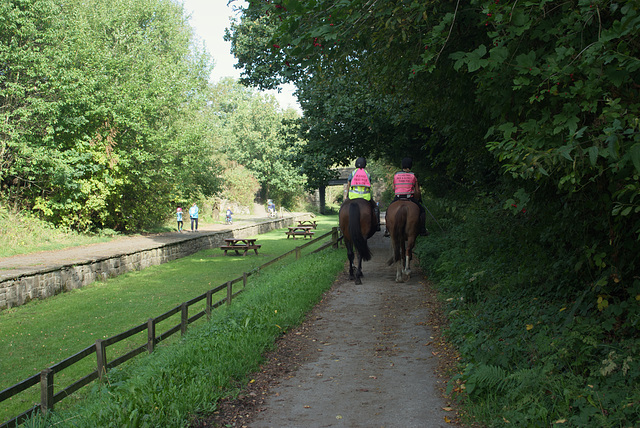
(356, 224)
(403, 223)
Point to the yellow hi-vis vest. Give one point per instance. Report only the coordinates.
(360, 185)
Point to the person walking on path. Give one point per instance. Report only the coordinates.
(193, 215)
(179, 219)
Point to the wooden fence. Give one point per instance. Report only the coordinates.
(48, 396)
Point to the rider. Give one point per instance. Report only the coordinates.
(405, 186)
(360, 187)
(229, 214)
(271, 207)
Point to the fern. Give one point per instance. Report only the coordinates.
(497, 380)
(484, 377)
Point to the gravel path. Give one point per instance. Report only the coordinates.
(368, 356)
(364, 358)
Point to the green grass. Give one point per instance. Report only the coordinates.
(170, 386)
(21, 233)
(41, 333)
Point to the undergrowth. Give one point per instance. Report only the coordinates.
(23, 233)
(175, 384)
(538, 346)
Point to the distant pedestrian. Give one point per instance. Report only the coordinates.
(179, 218)
(229, 220)
(193, 215)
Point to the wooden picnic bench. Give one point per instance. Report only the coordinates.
(240, 244)
(312, 223)
(303, 231)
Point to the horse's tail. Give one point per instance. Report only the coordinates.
(399, 233)
(358, 239)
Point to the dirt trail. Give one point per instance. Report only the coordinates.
(367, 359)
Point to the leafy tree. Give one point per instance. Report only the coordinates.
(356, 102)
(239, 185)
(94, 97)
(533, 100)
(253, 132)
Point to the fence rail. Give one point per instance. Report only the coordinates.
(46, 377)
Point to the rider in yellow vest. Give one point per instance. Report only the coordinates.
(360, 187)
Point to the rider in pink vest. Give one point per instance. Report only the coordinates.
(405, 186)
(360, 187)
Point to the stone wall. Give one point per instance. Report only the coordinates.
(48, 282)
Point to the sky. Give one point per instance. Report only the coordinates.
(209, 18)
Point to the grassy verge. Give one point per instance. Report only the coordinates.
(171, 385)
(41, 333)
(25, 234)
(537, 349)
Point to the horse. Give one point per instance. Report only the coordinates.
(403, 224)
(357, 225)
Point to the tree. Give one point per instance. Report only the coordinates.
(95, 96)
(542, 92)
(255, 133)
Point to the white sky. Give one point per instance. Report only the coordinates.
(209, 18)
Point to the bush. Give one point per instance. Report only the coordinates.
(537, 345)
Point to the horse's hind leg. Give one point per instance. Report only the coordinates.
(396, 262)
(399, 271)
(350, 256)
(359, 270)
(408, 256)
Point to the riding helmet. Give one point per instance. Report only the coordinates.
(361, 163)
(406, 163)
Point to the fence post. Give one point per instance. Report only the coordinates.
(207, 309)
(151, 335)
(244, 280)
(101, 358)
(229, 292)
(297, 253)
(334, 237)
(185, 318)
(46, 390)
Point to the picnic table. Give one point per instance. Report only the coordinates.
(240, 244)
(311, 223)
(303, 231)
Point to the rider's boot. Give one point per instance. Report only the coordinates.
(376, 211)
(423, 227)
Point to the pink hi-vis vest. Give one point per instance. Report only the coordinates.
(404, 183)
(360, 178)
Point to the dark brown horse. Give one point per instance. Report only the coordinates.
(356, 224)
(403, 223)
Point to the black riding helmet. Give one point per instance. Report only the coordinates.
(406, 163)
(361, 163)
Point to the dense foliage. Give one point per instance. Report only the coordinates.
(96, 100)
(253, 131)
(533, 101)
(531, 106)
(109, 119)
(530, 355)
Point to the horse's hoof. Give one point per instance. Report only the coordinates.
(358, 281)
